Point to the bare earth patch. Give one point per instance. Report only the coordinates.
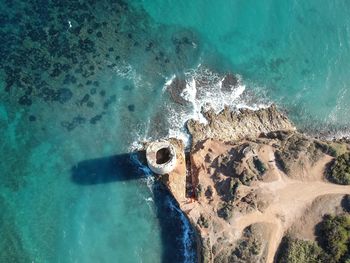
(304, 228)
(244, 195)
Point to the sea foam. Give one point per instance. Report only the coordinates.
(203, 91)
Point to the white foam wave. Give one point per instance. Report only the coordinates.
(190, 95)
(126, 71)
(168, 82)
(149, 199)
(144, 169)
(203, 90)
(140, 137)
(209, 89)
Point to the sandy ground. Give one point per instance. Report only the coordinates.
(291, 198)
(304, 227)
(288, 201)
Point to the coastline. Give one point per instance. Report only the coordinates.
(83, 82)
(205, 207)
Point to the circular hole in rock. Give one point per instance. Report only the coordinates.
(163, 155)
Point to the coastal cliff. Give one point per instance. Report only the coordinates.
(251, 180)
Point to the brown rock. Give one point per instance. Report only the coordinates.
(229, 82)
(230, 125)
(252, 176)
(175, 89)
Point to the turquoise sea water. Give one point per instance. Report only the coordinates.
(81, 82)
(297, 52)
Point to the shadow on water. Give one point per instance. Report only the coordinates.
(175, 229)
(106, 170)
(123, 167)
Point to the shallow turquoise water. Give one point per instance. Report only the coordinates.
(295, 52)
(82, 82)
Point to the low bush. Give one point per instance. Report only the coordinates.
(339, 170)
(335, 236)
(333, 244)
(281, 164)
(203, 222)
(300, 251)
(259, 165)
(233, 188)
(326, 148)
(225, 211)
(198, 190)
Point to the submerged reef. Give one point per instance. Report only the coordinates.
(56, 52)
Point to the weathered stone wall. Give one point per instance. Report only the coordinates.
(175, 181)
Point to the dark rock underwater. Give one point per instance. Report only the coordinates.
(66, 71)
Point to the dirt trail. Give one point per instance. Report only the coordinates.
(291, 198)
(284, 198)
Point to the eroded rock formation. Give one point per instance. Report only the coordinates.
(230, 125)
(250, 177)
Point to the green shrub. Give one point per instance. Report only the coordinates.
(225, 211)
(259, 165)
(326, 148)
(247, 250)
(209, 192)
(198, 190)
(339, 171)
(335, 236)
(246, 177)
(334, 239)
(203, 222)
(300, 251)
(233, 188)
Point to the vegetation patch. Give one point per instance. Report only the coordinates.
(234, 184)
(209, 192)
(259, 165)
(326, 148)
(248, 247)
(225, 211)
(335, 237)
(199, 190)
(203, 222)
(339, 170)
(300, 251)
(333, 244)
(247, 177)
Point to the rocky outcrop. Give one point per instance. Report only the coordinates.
(230, 125)
(239, 184)
(230, 81)
(176, 88)
(249, 177)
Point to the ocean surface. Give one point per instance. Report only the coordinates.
(83, 82)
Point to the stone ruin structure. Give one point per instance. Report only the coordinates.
(161, 157)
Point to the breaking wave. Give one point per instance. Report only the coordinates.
(202, 88)
(205, 88)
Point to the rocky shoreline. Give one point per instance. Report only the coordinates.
(248, 179)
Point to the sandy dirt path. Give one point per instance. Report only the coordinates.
(291, 198)
(286, 197)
